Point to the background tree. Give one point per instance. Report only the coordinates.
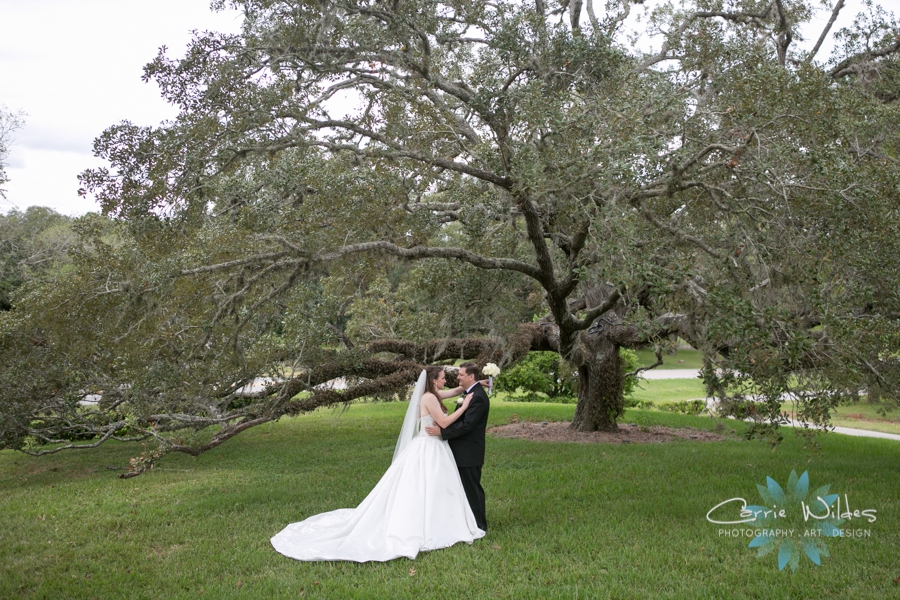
(9, 122)
(33, 244)
(726, 186)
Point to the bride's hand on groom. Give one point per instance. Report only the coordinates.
(435, 430)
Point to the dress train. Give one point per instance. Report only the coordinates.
(418, 505)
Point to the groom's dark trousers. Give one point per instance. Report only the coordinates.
(466, 439)
(471, 480)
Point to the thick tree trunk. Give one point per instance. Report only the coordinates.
(600, 386)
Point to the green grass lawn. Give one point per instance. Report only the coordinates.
(659, 390)
(567, 520)
(669, 390)
(682, 359)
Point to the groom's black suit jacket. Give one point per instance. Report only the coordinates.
(466, 434)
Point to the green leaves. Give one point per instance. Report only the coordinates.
(539, 373)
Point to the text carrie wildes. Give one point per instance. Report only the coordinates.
(818, 510)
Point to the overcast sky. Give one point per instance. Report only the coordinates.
(74, 66)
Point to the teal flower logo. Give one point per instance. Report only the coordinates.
(795, 522)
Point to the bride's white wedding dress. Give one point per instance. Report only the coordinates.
(418, 505)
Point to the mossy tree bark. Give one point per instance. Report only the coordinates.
(600, 385)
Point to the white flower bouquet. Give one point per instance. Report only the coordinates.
(491, 370)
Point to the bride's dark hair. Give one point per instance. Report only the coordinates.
(431, 375)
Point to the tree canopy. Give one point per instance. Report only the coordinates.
(355, 188)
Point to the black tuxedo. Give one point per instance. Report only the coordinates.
(466, 439)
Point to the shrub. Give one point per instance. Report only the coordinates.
(541, 377)
(737, 408)
(687, 407)
(639, 404)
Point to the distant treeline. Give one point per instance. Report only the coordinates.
(33, 245)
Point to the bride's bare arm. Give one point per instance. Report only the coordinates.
(434, 409)
(444, 394)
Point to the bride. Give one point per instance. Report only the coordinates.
(418, 505)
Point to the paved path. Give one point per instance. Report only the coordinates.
(670, 374)
(857, 432)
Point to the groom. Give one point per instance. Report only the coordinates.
(466, 439)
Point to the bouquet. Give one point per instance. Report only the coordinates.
(491, 370)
